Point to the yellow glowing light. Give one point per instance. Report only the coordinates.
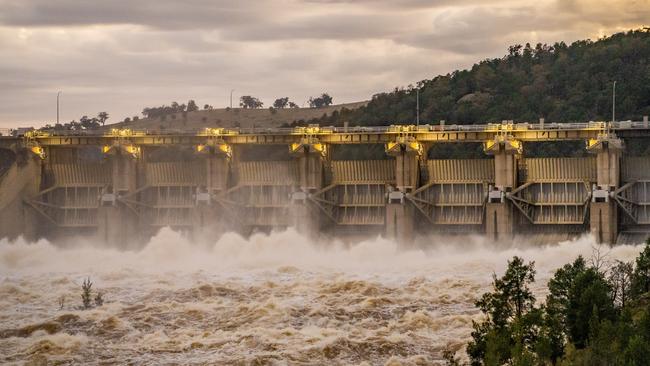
(106, 149)
(38, 151)
(121, 132)
(131, 149)
(226, 149)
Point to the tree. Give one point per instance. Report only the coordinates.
(641, 276)
(620, 278)
(322, 101)
(86, 293)
(102, 117)
(590, 297)
(556, 327)
(88, 123)
(191, 106)
(327, 99)
(247, 101)
(281, 103)
(510, 329)
(293, 105)
(208, 107)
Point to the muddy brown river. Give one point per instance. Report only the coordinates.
(275, 299)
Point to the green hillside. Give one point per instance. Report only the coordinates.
(559, 82)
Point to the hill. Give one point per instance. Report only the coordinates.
(236, 117)
(559, 82)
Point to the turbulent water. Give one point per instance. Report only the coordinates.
(271, 299)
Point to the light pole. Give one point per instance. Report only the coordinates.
(231, 91)
(614, 102)
(417, 107)
(57, 107)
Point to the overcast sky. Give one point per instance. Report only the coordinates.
(122, 55)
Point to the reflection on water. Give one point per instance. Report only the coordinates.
(272, 299)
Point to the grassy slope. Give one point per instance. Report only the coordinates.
(236, 117)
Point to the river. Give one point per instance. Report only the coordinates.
(276, 299)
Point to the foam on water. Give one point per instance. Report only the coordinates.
(271, 299)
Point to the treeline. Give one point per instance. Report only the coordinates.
(593, 315)
(84, 123)
(245, 101)
(559, 82)
(175, 107)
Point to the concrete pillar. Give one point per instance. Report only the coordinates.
(310, 166)
(304, 217)
(206, 216)
(499, 220)
(406, 171)
(505, 170)
(117, 223)
(608, 167)
(603, 211)
(399, 224)
(604, 221)
(499, 213)
(217, 171)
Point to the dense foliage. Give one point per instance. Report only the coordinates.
(559, 82)
(593, 315)
(175, 107)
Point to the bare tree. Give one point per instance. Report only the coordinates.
(620, 277)
(599, 255)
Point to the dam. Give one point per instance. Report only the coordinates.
(121, 185)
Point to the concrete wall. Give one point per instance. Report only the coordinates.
(20, 180)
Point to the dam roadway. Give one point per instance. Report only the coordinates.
(120, 185)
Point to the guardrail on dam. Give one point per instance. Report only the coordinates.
(112, 186)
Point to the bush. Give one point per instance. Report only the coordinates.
(86, 293)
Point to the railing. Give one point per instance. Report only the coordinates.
(397, 129)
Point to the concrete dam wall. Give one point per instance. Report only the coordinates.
(118, 198)
(125, 186)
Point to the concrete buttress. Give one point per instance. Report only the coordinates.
(399, 224)
(499, 212)
(603, 217)
(309, 157)
(117, 223)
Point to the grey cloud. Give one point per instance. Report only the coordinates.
(166, 14)
(123, 55)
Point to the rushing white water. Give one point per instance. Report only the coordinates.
(271, 299)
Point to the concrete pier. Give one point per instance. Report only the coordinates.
(604, 211)
(117, 224)
(399, 220)
(499, 223)
(309, 157)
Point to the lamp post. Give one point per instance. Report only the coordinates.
(614, 102)
(417, 107)
(57, 107)
(231, 91)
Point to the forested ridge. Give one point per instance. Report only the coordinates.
(559, 82)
